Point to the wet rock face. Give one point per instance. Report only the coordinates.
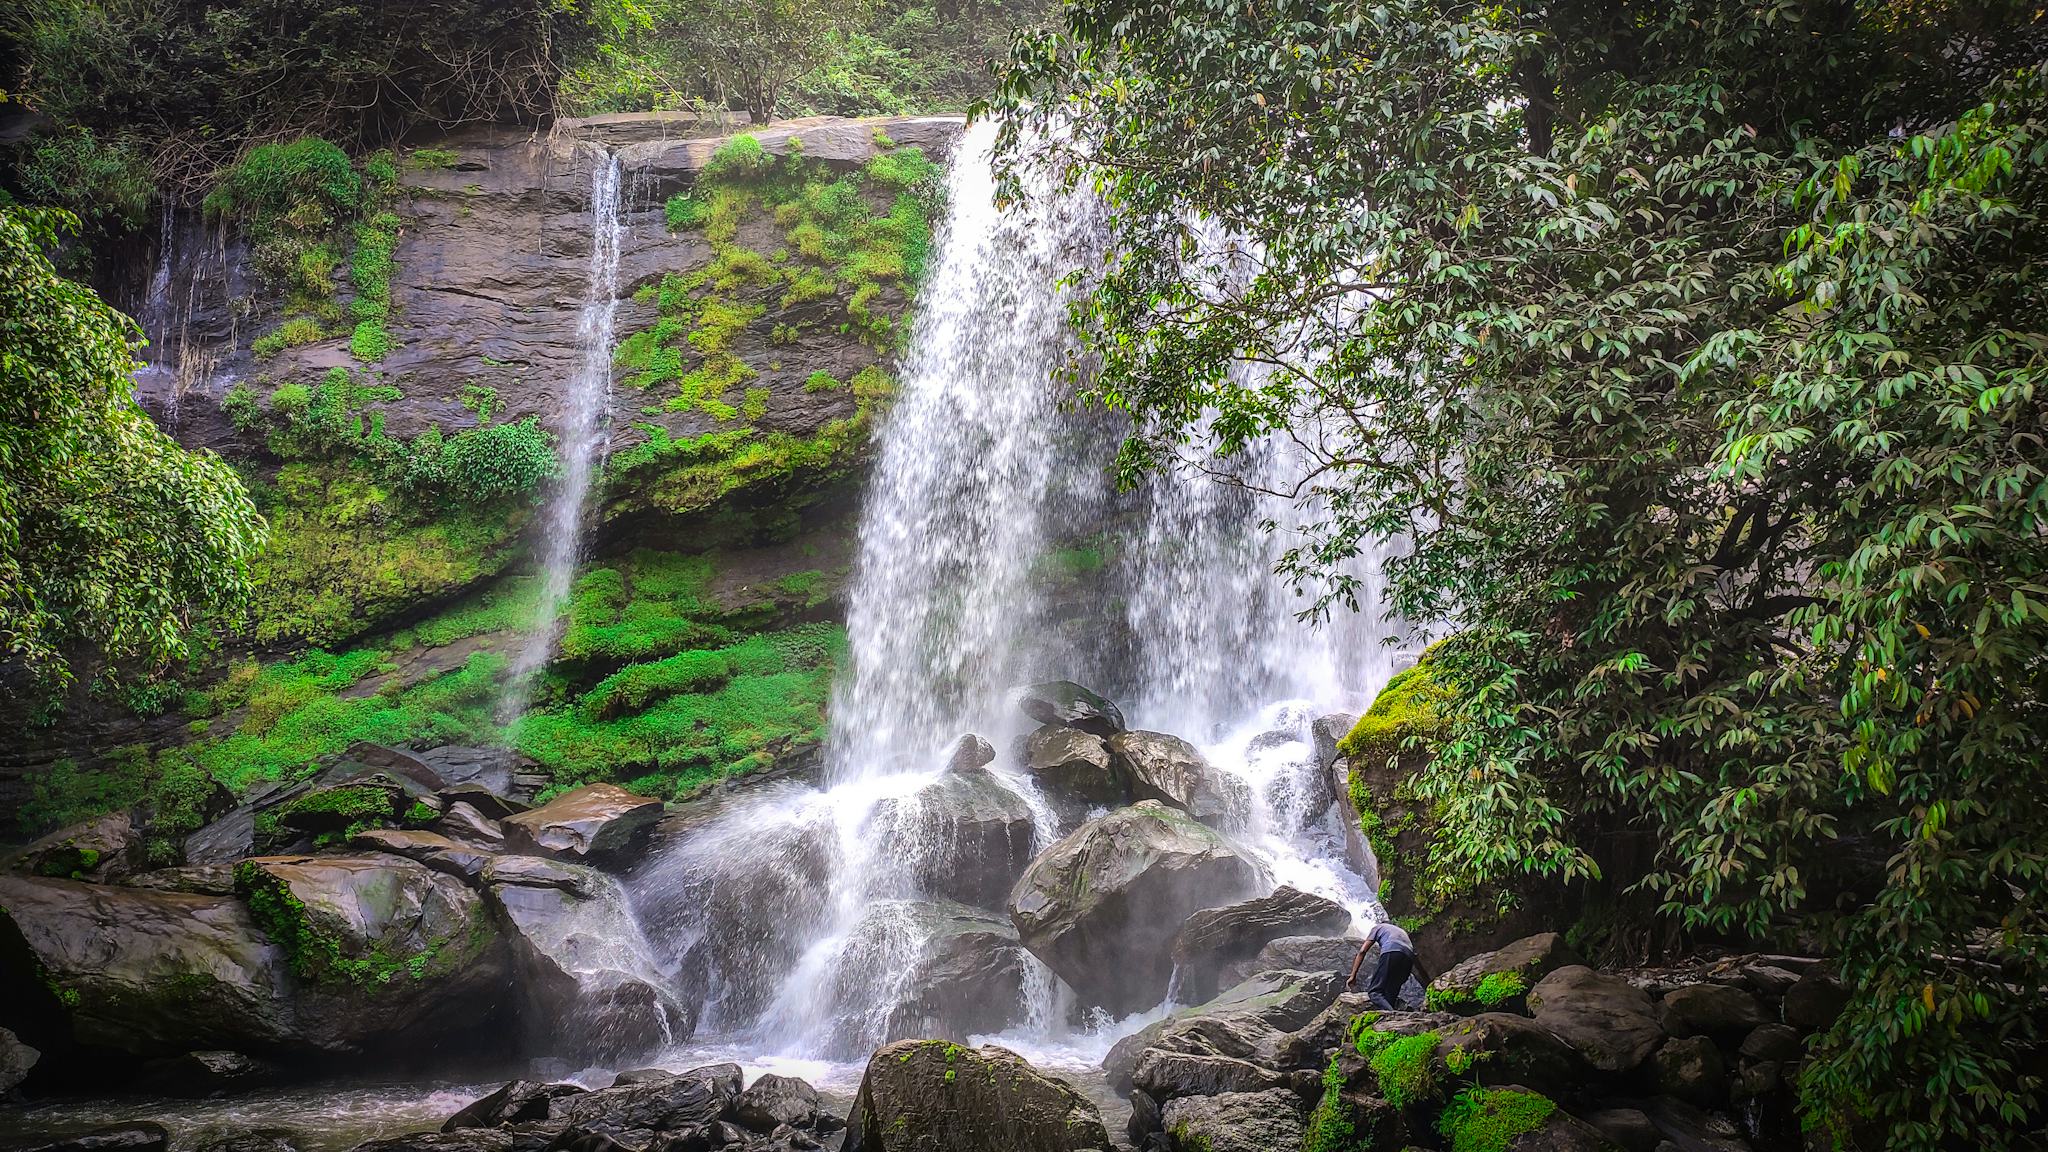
(1065, 704)
(919, 1095)
(1249, 1022)
(1214, 938)
(965, 836)
(1074, 770)
(967, 977)
(149, 972)
(1101, 906)
(1234, 1122)
(1612, 1023)
(589, 821)
(1168, 769)
(102, 849)
(17, 1060)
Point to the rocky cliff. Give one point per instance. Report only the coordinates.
(383, 345)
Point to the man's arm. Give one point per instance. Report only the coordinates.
(1357, 960)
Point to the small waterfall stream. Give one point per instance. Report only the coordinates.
(800, 912)
(583, 436)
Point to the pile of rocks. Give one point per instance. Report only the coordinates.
(393, 896)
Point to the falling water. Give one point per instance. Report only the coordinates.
(799, 911)
(582, 433)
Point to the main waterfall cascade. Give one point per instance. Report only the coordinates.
(798, 915)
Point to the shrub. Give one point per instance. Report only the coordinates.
(273, 179)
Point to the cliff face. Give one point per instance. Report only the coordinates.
(384, 371)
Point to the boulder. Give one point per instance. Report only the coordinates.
(1772, 1042)
(1298, 953)
(511, 1103)
(1814, 1001)
(1144, 1119)
(592, 820)
(1627, 1128)
(919, 1095)
(966, 836)
(132, 1136)
(1500, 979)
(774, 1100)
(466, 823)
(1690, 1068)
(461, 1140)
(1074, 770)
(968, 979)
(383, 946)
(1716, 1010)
(1065, 704)
(1234, 1122)
(1165, 1075)
(1214, 938)
(970, 751)
(692, 1099)
(104, 849)
(1156, 766)
(588, 980)
(1325, 732)
(1247, 1022)
(195, 1075)
(199, 879)
(1611, 1023)
(1497, 1120)
(17, 1060)
(144, 971)
(1309, 1046)
(1502, 1048)
(432, 849)
(396, 761)
(1101, 906)
(1691, 1129)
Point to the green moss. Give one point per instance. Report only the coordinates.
(1403, 1065)
(370, 269)
(321, 957)
(1490, 1119)
(429, 159)
(293, 333)
(1497, 988)
(822, 381)
(1405, 710)
(1330, 1128)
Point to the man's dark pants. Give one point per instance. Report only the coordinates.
(1384, 989)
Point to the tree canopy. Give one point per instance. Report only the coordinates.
(112, 536)
(1694, 348)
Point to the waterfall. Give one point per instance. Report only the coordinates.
(582, 432)
(801, 912)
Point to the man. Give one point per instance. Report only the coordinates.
(1397, 960)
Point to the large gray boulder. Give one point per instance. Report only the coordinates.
(1611, 1023)
(104, 849)
(591, 820)
(589, 982)
(1247, 1022)
(382, 946)
(1166, 768)
(146, 971)
(17, 1060)
(661, 1104)
(1500, 979)
(966, 836)
(1299, 953)
(969, 979)
(1214, 938)
(935, 1096)
(1065, 704)
(1074, 770)
(1101, 906)
(1234, 1122)
(1165, 1075)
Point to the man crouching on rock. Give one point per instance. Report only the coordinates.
(1397, 960)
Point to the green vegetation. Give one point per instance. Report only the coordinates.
(1330, 1128)
(319, 955)
(370, 270)
(1489, 1119)
(1700, 372)
(1403, 1065)
(112, 537)
(1494, 990)
(1407, 712)
(432, 158)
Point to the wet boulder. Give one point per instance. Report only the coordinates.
(17, 1060)
(929, 1094)
(966, 836)
(198, 879)
(588, 821)
(692, 1099)
(196, 1075)
(1309, 1046)
(466, 823)
(1500, 979)
(588, 980)
(382, 946)
(968, 977)
(510, 1103)
(1717, 1010)
(1502, 1048)
(102, 849)
(1690, 1069)
(145, 971)
(1298, 953)
(1609, 1021)
(1167, 1075)
(1156, 766)
(1234, 1122)
(432, 849)
(132, 1136)
(1214, 938)
(1247, 1022)
(772, 1101)
(1065, 704)
(1101, 906)
(1074, 770)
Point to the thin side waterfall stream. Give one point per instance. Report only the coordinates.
(583, 436)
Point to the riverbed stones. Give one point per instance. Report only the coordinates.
(694, 1098)
(1215, 938)
(197, 1075)
(1234, 1122)
(1065, 704)
(509, 1103)
(920, 1095)
(144, 971)
(1101, 906)
(772, 1101)
(1612, 1023)
(588, 821)
(132, 1136)
(1156, 766)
